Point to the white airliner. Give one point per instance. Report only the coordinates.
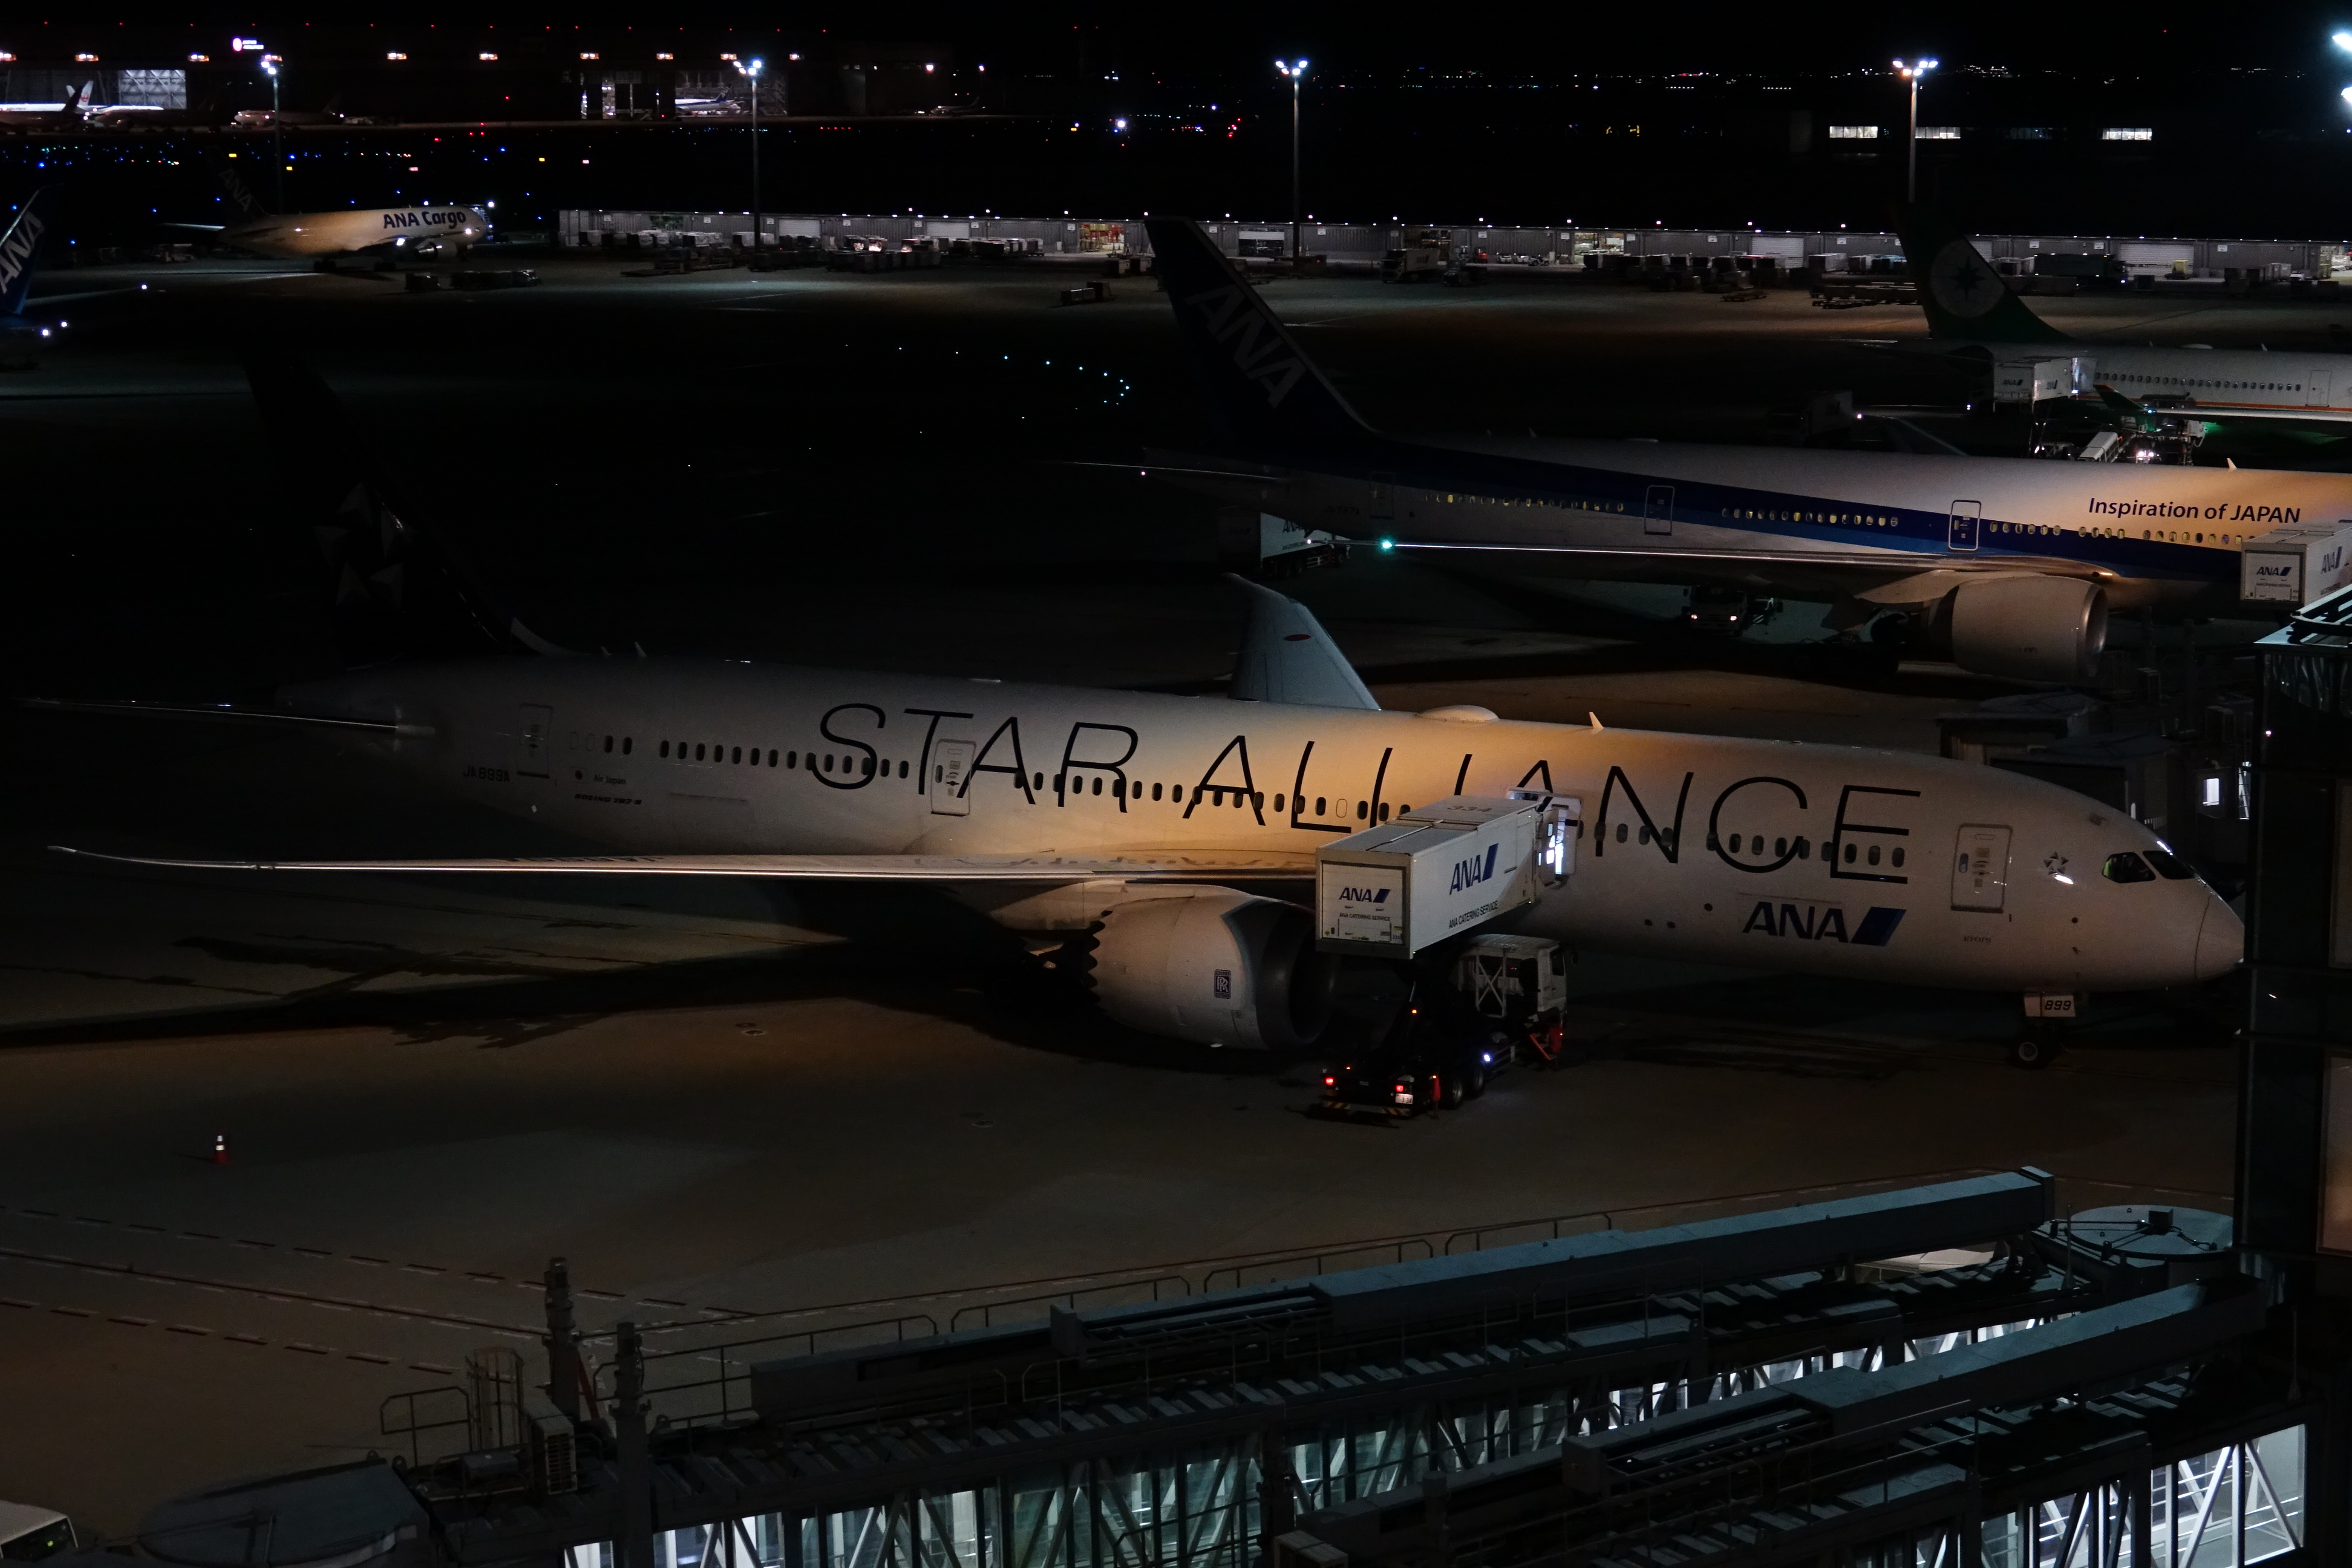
(294, 236)
(2008, 566)
(1969, 306)
(1171, 835)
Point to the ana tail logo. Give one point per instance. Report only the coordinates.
(1234, 320)
(16, 250)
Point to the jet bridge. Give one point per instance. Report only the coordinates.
(1569, 1401)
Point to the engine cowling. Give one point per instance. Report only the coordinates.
(2025, 627)
(1214, 966)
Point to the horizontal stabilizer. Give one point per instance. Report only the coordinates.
(1186, 866)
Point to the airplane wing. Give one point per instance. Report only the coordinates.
(224, 713)
(1184, 866)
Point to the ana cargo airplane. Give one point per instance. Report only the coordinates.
(2008, 566)
(1163, 840)
(292, 237)
(1970, 308)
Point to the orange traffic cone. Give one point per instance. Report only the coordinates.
(220, 1148)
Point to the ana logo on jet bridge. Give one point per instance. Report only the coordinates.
(1476, 870)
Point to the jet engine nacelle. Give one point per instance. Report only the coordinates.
(2026, 627)
(1215, 966)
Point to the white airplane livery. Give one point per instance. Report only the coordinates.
(2008, 566)
(1968, 306)
(1170, 836)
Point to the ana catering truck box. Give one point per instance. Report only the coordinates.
(2297, 563)
(1435, 872)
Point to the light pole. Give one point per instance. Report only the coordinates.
(1914, 73)
(277, 128)
(1296, 71)
(751, 68)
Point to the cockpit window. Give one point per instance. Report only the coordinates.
(2128, 868)
(2168, 866)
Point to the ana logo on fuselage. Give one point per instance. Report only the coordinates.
(446, 217)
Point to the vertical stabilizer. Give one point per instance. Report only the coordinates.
(396, 592)
(1964, 297)
(1266, 393)
(1288, 656)
(20, 249)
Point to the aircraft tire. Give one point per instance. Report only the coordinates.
(2032, 1050)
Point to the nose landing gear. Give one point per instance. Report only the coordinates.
(2049, 1018)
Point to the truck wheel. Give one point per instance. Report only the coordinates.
(1449, 1093)
(1473, 1083)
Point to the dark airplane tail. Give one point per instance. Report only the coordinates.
(1964, 297)
(20, 251)
(1266, 393)
(396, 592)
(240, 194)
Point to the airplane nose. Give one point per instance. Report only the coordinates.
(2220, 940)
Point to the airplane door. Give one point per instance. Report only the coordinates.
(534, 736)
(1968, 524)
(2315, 389)
(1383, 497)
(1980, 867)
(951, 766)
(1658, 509)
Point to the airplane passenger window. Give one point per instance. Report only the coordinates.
(1277, 803)
(1384, 811)
(1898, 855)
(1780, 847)
(868, 771)
(2168, 866)
(627, 741)
(1098, 789)
(1734, 844)
(902, 770)
(1155, 791)
(1620, 833)
(2126, 867)
(608, 743)
(1849, 854)
(1873, 854)
(1363, 810)
(1804, 847)
(739, 753)
(792, 759)
(665, 748)
(828, 762)
(772, 756)
(698, 751)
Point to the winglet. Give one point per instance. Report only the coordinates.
(1593, 718)
(1288, 656)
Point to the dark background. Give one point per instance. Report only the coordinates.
(1606, 117)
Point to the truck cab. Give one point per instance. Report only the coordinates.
(28, 1534)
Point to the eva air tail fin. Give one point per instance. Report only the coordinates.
(20, 248)
(1964, 297)
(396, 592)
(1263, 389)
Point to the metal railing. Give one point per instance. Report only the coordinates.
(733, 1366)
(413, 1426)
(983, 1314)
